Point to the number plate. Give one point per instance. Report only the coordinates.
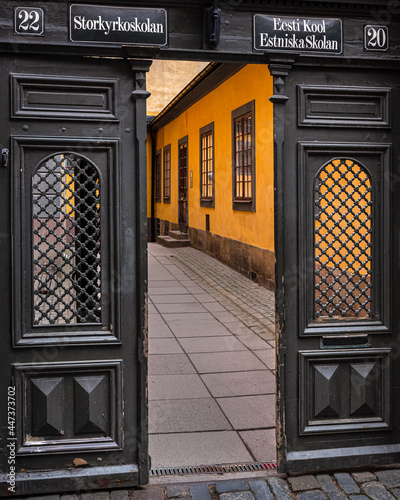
(376, 37)
(28, 21)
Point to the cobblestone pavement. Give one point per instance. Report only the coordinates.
(377, 485)
(252, 304)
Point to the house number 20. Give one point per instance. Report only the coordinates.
(28, 21)
(376, 37)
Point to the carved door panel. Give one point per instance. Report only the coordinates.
(338, 288)
(72, 287)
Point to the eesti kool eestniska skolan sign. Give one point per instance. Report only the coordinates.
(118, 25)
(297, 34)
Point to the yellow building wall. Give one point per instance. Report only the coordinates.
(253, 82)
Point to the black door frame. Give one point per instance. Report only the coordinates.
(46, 355)
(291, 276)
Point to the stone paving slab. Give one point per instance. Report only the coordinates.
(206, 299)
(280, 488)
(312, 495)
(177, 491)
(250, 412)
(174, 450)
(347, 483)
(195, 325)
(254, 342)
(376, 491)
(194, 345)
(164, 346)
(337, 496)
(229, 486)
(267, 356)
(186, 415)
(187, 386)
(226, 362)
(152, 308)
(261, 444)
(303, 483)
(214, 306)
(240, 383)
(173, 299)
(239, 328)
(389, 478)
(237, 495)
(181, 307)
(158, 328)
(158, 282)
(326, 483)
(261, 490)
(363, 477)
(170, 364)
(200, 492)
(168, 290)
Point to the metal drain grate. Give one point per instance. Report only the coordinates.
(212, 469)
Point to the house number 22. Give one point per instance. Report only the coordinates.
(28, 21)
(376, 37)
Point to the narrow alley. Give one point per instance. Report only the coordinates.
(211, 362)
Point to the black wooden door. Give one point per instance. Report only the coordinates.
(338, 196)
(73, 263)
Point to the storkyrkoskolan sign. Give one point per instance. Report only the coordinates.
(118, 25)
(297, 34)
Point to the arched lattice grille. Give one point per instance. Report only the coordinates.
(66, 241)
(343, 241)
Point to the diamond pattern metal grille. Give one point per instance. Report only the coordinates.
(66, 241)
(343, 236)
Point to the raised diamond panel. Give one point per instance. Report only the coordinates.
(342, 391)
(365, 384)
(91, 404)
(47, 406)
(70, 407)
(327, 387)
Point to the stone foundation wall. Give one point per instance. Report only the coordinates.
(256, 263)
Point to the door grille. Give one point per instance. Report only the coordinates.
(66, 241)
(343, 240)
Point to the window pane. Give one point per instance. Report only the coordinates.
(243, 158)
(206, 165)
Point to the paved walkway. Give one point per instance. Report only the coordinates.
(211, 362)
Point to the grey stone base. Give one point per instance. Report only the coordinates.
(256, 263)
